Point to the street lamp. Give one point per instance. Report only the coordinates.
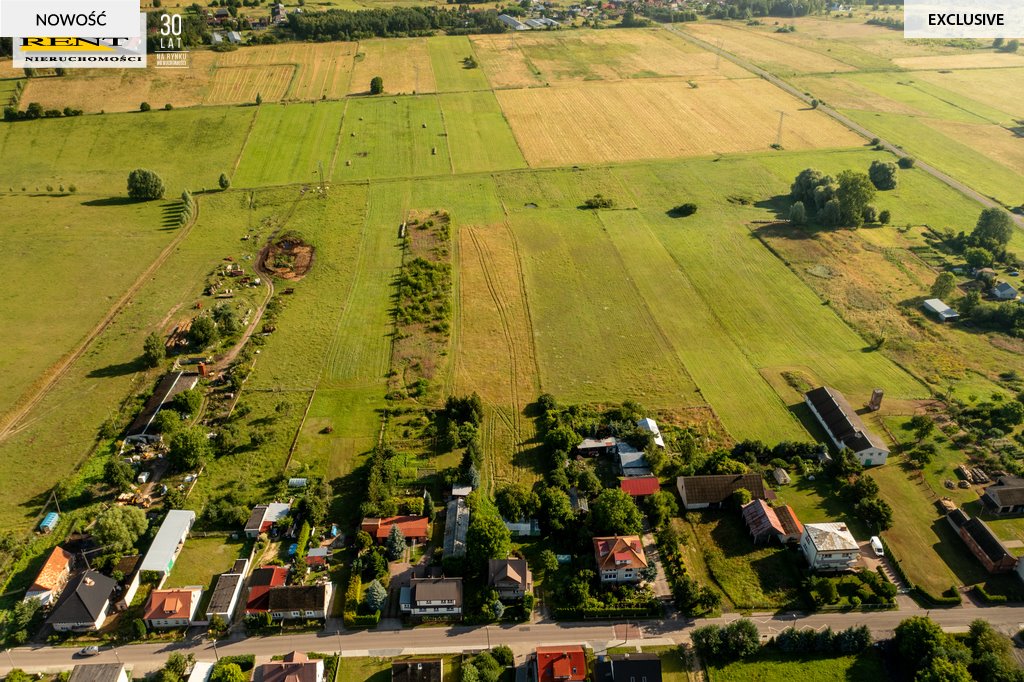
(11, 657)
(216, 654)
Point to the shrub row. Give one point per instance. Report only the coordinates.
(571, 613)
(352, 620)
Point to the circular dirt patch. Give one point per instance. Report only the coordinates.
(288, 258)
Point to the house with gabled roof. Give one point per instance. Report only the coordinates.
(792, 529)
(761, 520)
(628, 667)
(1005, 496)
(829, 547)
(510, 577)
(172, 608)
(418, 670)
(982, 542)
(560, 664)
(99, 672)
(640, 486)
(845, 427)
(620, 558)
(83, 604)
(294, 667)
(264, 517)
(1004, 291)
(299, 601)
(261, 581)
(714, 490)
(52, 577)
(414, 528)
(432, 598)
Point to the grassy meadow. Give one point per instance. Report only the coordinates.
(769, 667)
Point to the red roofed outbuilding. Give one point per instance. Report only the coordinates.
(640, 486)
(414, 528)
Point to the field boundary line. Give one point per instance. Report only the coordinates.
(521, 277)
(245, 143)
(447, 135)
(337, 142)
(61, 368)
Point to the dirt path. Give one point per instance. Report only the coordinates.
(849, 123)
(45, 384)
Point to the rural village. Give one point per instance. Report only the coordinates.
(530, 342)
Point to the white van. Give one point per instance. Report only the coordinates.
(876, 546)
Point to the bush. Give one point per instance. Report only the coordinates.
(145, 185)
(144, 106)
(683, 210)
(376, 85)
(599, 201)
(906, 162)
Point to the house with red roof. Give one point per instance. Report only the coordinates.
(261, 581)
(414, 528)
(620, 558)
(171, 608)
(52, 578)
(640, 486)
(561, 664)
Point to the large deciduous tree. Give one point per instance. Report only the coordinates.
(487, 538)
(189, 449)
(145, 185)
(883, 174)
(615, 513)
(118, 529)
(945, 284)
(993, 230)
(855, 193)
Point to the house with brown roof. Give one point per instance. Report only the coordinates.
(792, 529)
(620, 558)
(418, 670)
(845, 427)
(712, 491)
(1005, 496)
(761, 520)
(982, 542)
(299, 601)
(510, 577)
(294, 667)
(560, 664)
(172, 608)
(414, 528)
(52, 578)
(432, 598)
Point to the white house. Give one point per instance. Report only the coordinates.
(83, 604)
(433, 598)
(844, 426)
(168, 542)
(829, 547)
(1004, 291)
(620, 559)
(172, 608)
(99, 672)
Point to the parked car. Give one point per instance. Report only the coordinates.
(876, 546)
(91, 650)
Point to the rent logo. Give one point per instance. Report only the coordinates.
(82, 53)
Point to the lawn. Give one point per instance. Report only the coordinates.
(359, 669)
(478, 134)
(752, 577)
(203, 558)
(290, 143)
(771, 667)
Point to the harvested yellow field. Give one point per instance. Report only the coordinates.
(985, 60)
(767, 51)
(321, 69)
(995, 142)
(554, 57)
(661, 119)
(1001, 89)
(844, 93)
(503, 62)
(243, 83)
(403, 63)
(290, 71)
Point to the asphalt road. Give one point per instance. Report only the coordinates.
(849, 123)
(522, 638)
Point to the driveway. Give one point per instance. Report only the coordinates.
(660, 584)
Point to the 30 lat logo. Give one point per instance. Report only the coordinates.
(170, 48)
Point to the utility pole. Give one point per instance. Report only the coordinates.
(53, 496)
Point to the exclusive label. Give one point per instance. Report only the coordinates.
(984, 19)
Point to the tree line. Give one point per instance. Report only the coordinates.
(337, 24)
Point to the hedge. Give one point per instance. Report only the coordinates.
(926, 596)
(244, 661)
(984, 595)
(355, 621)
(571, 613)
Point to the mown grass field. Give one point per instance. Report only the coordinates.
(451, 72)
(404, 65)
(203, 558)
(290, 143)
(769, 667)
(360, 669)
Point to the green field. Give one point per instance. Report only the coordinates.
(451, 73)
(478, 133)
(769, 667)
(290, 143)
(359, 669)
(203, 558)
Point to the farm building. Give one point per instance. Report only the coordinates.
(49, 522)
(513, 23)
(829, 547)
(1005, 496)
(294, 667)
(650, 426)
(940, 310)
(99, 672)
(414, 528)
(261, 582)
(318, 556)
(298, 482)
(418, 670)
(172, 608)
(620, 558)
(299, 601)
(83, 604)
(628, 668)
(640, 486)
(761, 520)
(578, 501)
(170, 385)
(844, 426)
(168, 541)
(792, 529)
(523, 528)
(982, 542)
(632, 462)
(596, 446)
(541, 22)
(510, 577)
(560, 664)
(1004, 291)
(456, 524)
(264, 516)
(461, 490)
(52, 578)
(703, 492)
(224, 597)
(433, 598)
(781, 477)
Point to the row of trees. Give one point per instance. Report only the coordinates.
(927, 654)
(391, 22)
(741, 639)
